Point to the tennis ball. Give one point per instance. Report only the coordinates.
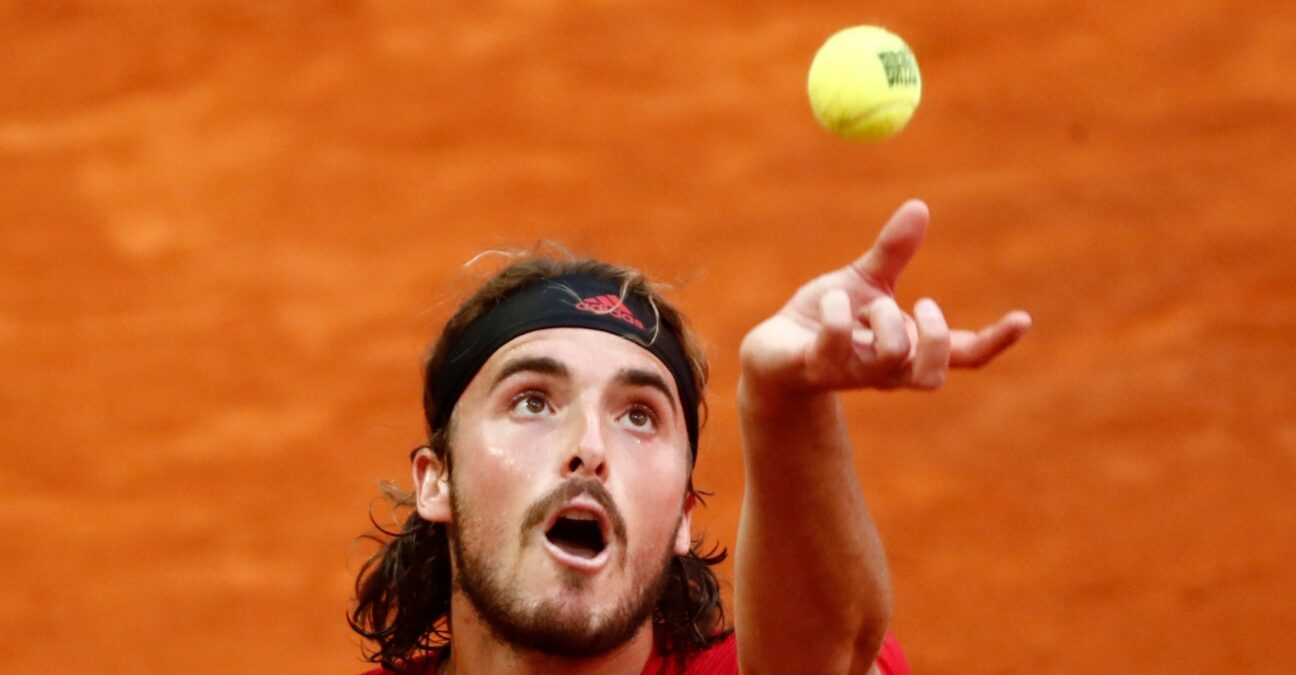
(864, 84)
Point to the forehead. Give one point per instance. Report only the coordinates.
(585, 352)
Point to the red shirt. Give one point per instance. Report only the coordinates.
(720, 658)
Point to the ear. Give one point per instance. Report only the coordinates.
(431, 486)
(684, 533)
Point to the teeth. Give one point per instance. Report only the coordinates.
(579, 515)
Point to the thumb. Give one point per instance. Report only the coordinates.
(895, 246)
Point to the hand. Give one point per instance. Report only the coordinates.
(844, 329)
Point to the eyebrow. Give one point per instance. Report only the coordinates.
(543, 365)
(635, 377)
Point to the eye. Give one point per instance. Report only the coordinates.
(529, 403)
(641, 417)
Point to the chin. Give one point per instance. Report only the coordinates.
(576, 615)
(575, 630)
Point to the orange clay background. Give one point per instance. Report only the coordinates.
(229, 229)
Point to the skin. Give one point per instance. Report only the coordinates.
(841, 331)
(517, 434)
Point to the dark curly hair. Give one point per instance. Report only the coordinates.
(403, 591)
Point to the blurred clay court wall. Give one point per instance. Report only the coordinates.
(229, 229)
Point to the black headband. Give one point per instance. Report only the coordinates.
(563, 302)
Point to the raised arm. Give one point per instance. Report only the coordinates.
(812, 592)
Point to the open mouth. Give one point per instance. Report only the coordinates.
(578, 533)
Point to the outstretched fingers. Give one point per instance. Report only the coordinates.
(973, 350)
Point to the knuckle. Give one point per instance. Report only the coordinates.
(891, 357)
(931, 381)
(938, 334)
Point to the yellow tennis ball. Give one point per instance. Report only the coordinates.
(864, 84)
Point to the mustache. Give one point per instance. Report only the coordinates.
(538, 512)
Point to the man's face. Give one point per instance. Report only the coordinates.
(570, 467)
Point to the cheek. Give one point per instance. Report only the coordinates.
(657, 495)
(495, 471)
(507, 448)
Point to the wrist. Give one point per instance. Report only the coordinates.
(772, 401)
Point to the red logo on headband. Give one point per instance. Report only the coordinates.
(609, 304)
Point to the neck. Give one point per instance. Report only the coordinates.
(475, 648)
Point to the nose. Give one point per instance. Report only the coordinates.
(587, 457)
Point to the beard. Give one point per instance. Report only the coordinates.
(550, 626)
